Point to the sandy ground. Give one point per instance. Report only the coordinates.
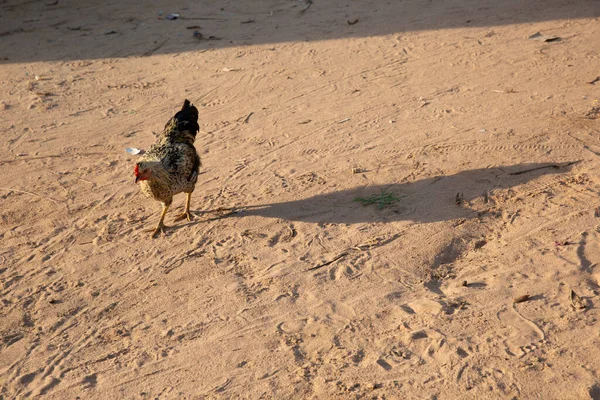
(299, 291)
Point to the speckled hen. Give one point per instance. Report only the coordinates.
(172, 164)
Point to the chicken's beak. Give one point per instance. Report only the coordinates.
(137, 178)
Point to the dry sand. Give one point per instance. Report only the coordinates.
(427, 99)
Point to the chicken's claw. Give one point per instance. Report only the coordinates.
(157, 232)
(186, 215)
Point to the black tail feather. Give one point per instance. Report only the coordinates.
(186, 104)
(188, 113)
(187, 118)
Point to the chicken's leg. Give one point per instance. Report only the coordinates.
(161, 226)
(186, 214)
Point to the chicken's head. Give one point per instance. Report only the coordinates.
(141, 174)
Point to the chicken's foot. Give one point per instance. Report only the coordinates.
(186, 214)
(160, 228)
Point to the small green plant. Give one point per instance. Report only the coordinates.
(382, 199)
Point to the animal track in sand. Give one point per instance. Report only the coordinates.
(483, 147)
(224, 241)
(526, 334)
(295, 326)
(285, 235)
(344, 271)
(310, 178)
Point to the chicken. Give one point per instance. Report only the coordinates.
(172, 164)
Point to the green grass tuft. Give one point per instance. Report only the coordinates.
(382, 199)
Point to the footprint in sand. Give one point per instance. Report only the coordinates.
(526, 334)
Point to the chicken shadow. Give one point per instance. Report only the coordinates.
(426, 200)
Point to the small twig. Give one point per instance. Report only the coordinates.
(560, 165)
(248, 117)
(78, 113)
(308, 4)
(31, 193)
(334, 259)
(593, 82)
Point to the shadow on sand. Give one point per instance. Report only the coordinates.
(427, 200)
(47, 30)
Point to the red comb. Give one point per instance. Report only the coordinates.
(136, 169)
